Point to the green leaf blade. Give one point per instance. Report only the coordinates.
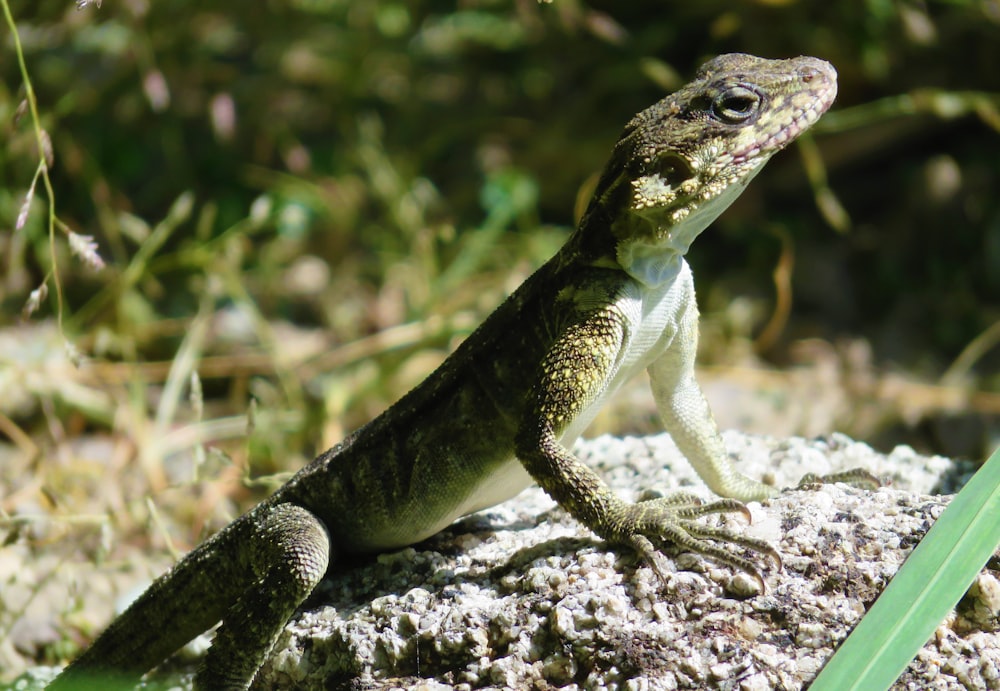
(927, 587)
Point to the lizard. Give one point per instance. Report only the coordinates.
(503, 410)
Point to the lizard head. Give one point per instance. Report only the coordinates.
(681, 162)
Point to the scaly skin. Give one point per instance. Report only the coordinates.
(504, 409)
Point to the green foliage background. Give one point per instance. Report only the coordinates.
(352, 166)
(371, 144)
(309, 202)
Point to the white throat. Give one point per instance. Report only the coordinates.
(654, 258)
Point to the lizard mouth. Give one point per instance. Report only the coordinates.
(800, 119)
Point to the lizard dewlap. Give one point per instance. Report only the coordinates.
(503, 410)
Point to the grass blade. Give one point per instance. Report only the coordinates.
(923, 592)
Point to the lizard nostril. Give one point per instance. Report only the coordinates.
(809, 73)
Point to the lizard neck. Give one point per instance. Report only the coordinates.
(649, 264)
(651, 248)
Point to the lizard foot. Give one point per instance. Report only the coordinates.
(648, 526)
(857, 477)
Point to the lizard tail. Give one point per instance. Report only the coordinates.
(253, 574)
(182, 603)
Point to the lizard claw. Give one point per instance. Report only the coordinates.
(649, 526)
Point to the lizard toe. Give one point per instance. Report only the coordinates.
(650, 526)
(856, 477)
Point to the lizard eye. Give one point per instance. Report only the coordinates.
(736, 105)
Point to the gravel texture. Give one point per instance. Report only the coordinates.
(522, 597)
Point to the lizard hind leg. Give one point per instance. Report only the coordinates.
(288, 552)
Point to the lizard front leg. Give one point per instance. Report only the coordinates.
(687, 418)
(573, 374)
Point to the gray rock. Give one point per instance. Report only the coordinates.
(521, 596)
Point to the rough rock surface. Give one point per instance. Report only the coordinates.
(522, 597)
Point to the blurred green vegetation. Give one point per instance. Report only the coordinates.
(349, 167)
(308, 203)
(354, 166)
